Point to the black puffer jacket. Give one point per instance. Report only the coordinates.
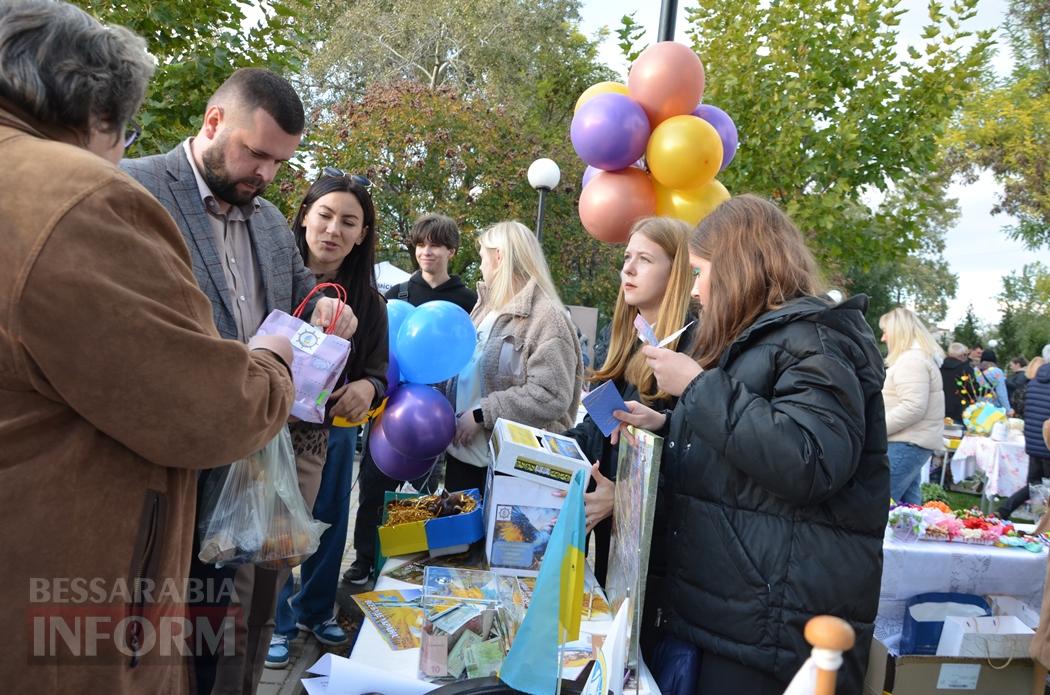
(779, 488)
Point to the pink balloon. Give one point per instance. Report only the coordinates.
(615, 200)
(667, 80)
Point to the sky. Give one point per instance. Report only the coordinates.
(977, 249)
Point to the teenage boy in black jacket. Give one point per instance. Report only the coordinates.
(435, 239)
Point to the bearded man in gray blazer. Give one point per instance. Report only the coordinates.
(245, 260)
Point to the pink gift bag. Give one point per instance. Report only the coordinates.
(318, 358)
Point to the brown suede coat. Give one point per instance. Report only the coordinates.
(114, 388)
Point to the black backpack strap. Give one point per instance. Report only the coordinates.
(402, 291)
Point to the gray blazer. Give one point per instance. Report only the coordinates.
(284, 277)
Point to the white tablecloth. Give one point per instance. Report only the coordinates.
(1005, 463)
(371, 649)
(924, 566)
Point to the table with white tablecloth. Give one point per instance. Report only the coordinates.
(1004, 462)
(370, 647)
(919, 567)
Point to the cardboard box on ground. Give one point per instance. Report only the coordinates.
(521, 507)
(926, 675)
(984, 655)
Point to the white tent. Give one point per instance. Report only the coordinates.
(388, 275)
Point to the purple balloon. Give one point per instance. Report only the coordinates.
(610, 132)
(394, 464)
(588, 174)
(725, 128)
(419, 421)
(393, 375)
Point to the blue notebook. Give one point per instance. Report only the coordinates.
(600, 404)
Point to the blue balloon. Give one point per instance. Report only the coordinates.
(435, 343)
(397, 310)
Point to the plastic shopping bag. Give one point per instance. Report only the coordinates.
(318, 358)
(255, 513)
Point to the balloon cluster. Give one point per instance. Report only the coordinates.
(649, 147)
(428, 344)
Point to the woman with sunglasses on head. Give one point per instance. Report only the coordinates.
(774, 471)
(335, 231)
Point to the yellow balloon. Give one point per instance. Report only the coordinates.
(600, 88)
(684, 152)
(692, 205)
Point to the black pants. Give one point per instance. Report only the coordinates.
(1038, 468)
(722, 676)
(214, 599)
(372, 484)
(464, 476)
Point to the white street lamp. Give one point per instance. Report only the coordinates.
(544, 176)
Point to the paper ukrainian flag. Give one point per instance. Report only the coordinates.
(554, 612)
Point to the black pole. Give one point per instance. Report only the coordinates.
(668, 11)
(539, 215)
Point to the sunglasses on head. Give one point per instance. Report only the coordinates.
(339, 173)
(132, 132)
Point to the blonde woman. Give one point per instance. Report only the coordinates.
(914, 397)
(655, 282)
(526, 366)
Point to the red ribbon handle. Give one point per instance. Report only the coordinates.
(341, 296)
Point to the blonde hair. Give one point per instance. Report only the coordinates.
(1033, 366)
(903, 331)
(624, 359)
(759, 262)
(521, 260)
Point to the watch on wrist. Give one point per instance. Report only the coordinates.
(479, 416)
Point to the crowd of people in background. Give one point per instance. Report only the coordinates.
(132, 376)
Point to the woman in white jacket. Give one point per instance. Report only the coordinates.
(914, 397)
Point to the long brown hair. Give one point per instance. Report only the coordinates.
(624, 359)
(759, 262)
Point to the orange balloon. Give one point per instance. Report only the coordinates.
(690, 206)
(667, 79)
(600, 88)
(615, 200)
(684, 152)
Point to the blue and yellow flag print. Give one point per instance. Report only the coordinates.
(554, 612)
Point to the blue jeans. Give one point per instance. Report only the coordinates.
(320, 573)
(906, 462)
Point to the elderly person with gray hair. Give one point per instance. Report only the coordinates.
(955, 366)
(114, 382)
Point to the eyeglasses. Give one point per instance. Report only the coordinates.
(132, 132)
(339, 173)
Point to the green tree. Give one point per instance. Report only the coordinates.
(446, 109)
(1006, 128)
(436, 150)
(834, 125)
(1025, 301)
(197, 45)
(969, 331)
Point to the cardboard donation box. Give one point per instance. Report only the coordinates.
(529, 466)
(452, 532)
(931, 675)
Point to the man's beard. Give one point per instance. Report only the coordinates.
(218, 180)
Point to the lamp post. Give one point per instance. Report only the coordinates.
(544, 175)
(668, 10)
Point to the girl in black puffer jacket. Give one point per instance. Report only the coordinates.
(775, 456)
